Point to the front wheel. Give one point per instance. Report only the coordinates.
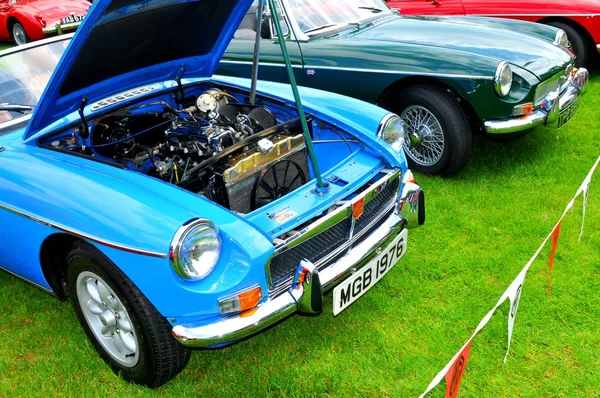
(438, 136)
(122, 325)
(19, 34)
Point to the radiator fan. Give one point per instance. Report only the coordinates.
(278, 180)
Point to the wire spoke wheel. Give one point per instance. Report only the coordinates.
(19, 34)
(425, 144)
(107, 318)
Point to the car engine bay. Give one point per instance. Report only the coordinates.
(235, 154)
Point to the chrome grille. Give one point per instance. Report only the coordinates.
(331, 238)
(284, 264)
(376, 205)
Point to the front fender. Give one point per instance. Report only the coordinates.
(26, 17)
(129, 217)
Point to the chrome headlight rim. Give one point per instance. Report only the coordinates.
(398, 141)
(181, 238)
(561, 39)
(503, 79)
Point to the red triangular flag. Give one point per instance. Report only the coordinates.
(455, 373)
(555, 235)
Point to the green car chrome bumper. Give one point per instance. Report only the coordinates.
(306, 294)
(548, 114)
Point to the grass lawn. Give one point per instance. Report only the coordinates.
(482, 227)
(4, 46)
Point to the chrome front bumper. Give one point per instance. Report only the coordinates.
(542, 115)
(306, 294)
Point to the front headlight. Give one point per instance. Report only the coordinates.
(562, 40)
(195, 249)
(392, 131)
(503, 79)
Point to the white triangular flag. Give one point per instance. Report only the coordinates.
(514, 295)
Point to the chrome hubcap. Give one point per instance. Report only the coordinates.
(107, 318)
(425, 144)
(19, 34)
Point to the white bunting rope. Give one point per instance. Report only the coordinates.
(454, 369)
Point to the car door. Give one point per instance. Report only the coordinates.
(237, 60)
(427, 7)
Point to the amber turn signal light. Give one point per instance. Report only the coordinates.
(242, 301)
(523, 109)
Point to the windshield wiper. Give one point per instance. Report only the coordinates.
(16, 108)
(321, 27)
(374, 9)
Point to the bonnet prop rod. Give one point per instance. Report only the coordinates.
(255, 61)
(322, 187)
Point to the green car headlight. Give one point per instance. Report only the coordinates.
(503, 79)
(392, 131)
(195, 249)
(562, 40)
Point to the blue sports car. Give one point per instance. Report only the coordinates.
(177, 209)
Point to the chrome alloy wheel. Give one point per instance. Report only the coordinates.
(424, 135)
(108, 319)
(19, 34)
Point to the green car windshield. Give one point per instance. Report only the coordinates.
(313, 15)
(24, 75)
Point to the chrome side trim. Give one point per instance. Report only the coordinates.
(365, 70)
(82, 235)
(49, 291)
(459, 76)
(260, 64)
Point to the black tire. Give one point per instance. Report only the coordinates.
(580, 44)
(160, 356)
(456, 131)
(24, 39)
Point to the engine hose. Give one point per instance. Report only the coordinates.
(244, 129)
(150, 153)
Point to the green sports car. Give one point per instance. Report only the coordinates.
(446, 77)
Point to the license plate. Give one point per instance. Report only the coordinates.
(568, 113)
(352, 288)
(71, 19)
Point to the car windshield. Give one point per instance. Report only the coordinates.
(313, 15)
(24, 76)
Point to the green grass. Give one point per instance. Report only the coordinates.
(482, 227)
(4, 46)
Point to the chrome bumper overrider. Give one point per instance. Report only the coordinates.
(547, 115)
(306, 294)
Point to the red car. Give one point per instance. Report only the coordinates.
(22, 21)
(580, 19)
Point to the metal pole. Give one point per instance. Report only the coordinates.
(322, 187)
(259, 15)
